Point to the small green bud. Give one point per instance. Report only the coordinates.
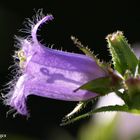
(122, 55)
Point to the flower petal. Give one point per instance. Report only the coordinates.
(60, 75)
(51, 73)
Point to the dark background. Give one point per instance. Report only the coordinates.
(90, 21)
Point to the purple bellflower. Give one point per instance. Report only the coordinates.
(50, 73)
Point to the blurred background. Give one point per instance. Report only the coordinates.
(90, 22)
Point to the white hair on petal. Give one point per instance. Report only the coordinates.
(30, 25)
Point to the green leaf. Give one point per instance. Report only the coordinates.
(102, 85)
(122, 55)
(122, 108)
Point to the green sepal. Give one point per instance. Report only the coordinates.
(79, 107)
(122, 55)
(102, 86)
(110, 108)
(90, 53)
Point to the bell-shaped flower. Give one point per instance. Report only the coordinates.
(50, 73)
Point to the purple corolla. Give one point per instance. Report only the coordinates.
(50, 73)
